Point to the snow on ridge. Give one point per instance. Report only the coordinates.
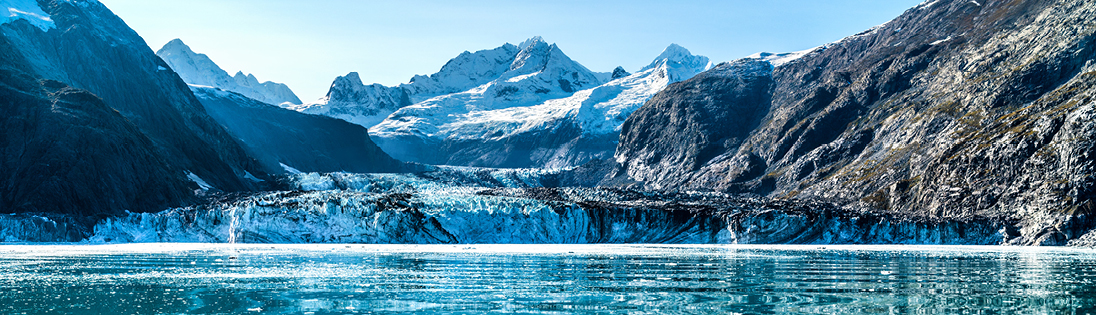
(197, 68)
(678, 54)
(289, 169)
(531, 87)
(598, 110)
(779, 59)
(926, 4)
(938, 42)
(27, 10)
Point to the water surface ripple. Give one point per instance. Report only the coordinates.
(551, 279)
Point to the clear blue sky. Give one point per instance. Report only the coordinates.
(306, 44)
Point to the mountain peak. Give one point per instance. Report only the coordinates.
(350, 78)
(532, 41)
(675, 49)
(199, 69)
(534, 55)
(679, 56)
(176, 43)
(619, 72)
(176, 46)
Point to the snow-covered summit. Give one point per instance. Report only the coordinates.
(466, 71)
(484, 126)
(351, 100)
(199, 69)
(680, 56)
(506, 76)
(675, 58)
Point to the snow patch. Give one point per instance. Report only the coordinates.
(26, 10)
(198, 180)
(941, 41)
(927, 4)
(289, 169)
(778, 59)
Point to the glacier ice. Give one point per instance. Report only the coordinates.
(473, 205)
(448, 205)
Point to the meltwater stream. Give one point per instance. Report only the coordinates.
(634, 279)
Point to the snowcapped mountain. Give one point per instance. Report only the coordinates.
(526, 105)
(679, 64)
(350, 100)
(546, 111)
(198, 69)
(466, 71)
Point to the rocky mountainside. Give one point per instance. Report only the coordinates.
(956, 109)
(96, 123)
(283, 139)
(199, 69)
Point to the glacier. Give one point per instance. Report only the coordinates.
(466, 205)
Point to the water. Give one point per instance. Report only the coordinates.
(552, 279)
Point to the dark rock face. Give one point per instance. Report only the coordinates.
(564, 143)
(309, 143)
(954, 110)
(619, 72)
(65, 151)
(97, 124)
(372, 99)
(686, 125)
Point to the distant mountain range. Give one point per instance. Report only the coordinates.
(527, 105)
(958, 120)
(199, 69)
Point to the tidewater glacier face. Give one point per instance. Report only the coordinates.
(474, 205)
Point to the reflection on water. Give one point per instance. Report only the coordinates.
(325, 279)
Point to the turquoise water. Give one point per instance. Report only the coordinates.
(552, 279)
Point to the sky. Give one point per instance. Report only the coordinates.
(306, 44)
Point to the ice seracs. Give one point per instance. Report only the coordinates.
(199, 69)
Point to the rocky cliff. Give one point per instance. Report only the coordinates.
(954, 110)
(283, 139)
(97, 124)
